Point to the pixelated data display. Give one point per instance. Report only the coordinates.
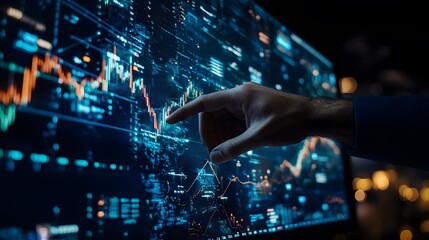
(85, 152)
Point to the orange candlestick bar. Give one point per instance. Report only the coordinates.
(49, 65)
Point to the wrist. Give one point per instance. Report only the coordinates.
(332, 118)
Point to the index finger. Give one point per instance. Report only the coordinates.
(205, 103)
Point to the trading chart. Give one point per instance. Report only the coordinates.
(85, 152)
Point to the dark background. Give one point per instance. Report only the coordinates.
(362, 38)
(383, 46)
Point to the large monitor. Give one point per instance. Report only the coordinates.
(85, 152)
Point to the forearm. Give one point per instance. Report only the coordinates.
(332, 118)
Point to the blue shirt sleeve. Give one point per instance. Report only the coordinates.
(392, 129)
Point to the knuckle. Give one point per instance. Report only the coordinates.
(203, 100)
(246, 89)
(247, 86)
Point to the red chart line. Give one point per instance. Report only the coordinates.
(236, 179)
(50, 64)
(226, 215)
(208, 224)
(214, 172)
(199, 173)
(193, 182)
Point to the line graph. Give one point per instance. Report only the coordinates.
(236, 179)
(52, 65)
(232, 180)
(233, 222)
(199, 173)
(213, 197)
(224, 196)
(49, 65)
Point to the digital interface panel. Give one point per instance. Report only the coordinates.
(85, 152)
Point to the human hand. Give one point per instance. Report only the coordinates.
(248, 116)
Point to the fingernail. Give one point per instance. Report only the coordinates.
(216, 156)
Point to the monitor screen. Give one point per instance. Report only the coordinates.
(85, 152)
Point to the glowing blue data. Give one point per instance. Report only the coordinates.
(85, 152)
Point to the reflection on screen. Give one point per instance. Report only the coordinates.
(85, 152)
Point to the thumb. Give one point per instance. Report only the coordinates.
(233, 147)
